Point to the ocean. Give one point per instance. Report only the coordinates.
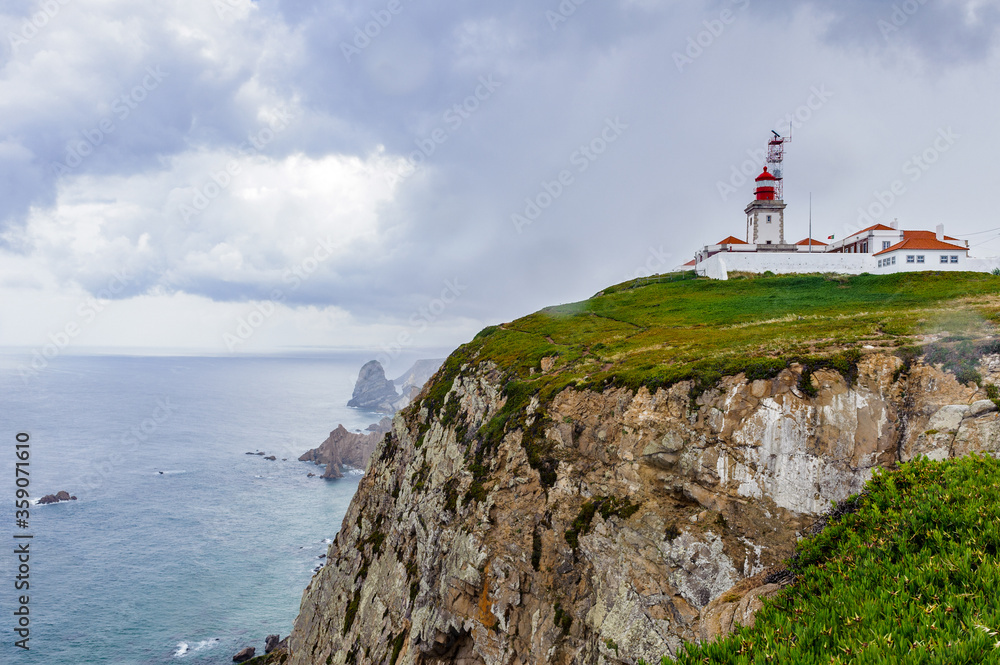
(180, 548)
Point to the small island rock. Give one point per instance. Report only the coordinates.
(61, 495)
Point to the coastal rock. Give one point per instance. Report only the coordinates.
(271, 458)
(244, 655)
(271, 643)
(61, 495)
(347, 449)
(373, 391)
(417, 375)
(621, 517)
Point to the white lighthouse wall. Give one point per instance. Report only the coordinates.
(768, 232)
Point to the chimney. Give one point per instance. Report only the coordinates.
(894, 224)
(940, 232)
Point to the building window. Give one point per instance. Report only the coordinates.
(880, 263)
(886, 244)
(920, 258)
(768, 219)
(909, 258)
(944, 258)
(954, 259)
(894, 260)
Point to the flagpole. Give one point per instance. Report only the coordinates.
(810, 222)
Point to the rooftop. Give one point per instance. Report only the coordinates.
(731, 240)
(921, 242)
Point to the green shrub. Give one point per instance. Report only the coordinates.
(608, 507)
(907, 572)
(352, 611)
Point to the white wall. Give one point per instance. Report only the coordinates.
(720, 265)
(781, 263)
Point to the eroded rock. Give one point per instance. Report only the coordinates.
(451, 557)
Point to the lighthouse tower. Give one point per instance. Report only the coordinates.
(766, 214)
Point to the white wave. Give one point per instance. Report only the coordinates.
(183, 648)
(206, 644)
(328, 541)
(356, 472)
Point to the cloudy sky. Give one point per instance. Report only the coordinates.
(236, 176)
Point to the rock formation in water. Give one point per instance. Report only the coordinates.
(343, 448)
(62, 495)
(373, 391)
(607, 526)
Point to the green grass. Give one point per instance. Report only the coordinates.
(657, 333)
(907, 573)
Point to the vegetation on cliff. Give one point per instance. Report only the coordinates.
(659, 331)
(905, 573)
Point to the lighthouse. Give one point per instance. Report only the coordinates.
(766, 213)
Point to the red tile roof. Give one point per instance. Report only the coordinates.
(691, 263)
(731, 240)
(810, 241)
(922, 243)
(924, 234)
(876, 227)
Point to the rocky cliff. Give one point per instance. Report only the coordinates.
(604, 525)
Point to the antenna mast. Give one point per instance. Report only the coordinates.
(776, 158)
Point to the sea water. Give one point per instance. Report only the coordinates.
(180, 547)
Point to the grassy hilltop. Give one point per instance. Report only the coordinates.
(658, 331)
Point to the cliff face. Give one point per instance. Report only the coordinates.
(600, 526)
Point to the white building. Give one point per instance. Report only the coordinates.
(878, 249)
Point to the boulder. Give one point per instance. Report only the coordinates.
(244, 655)
(982, 406)
(271, 457)
(271, 642)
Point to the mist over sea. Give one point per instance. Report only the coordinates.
(180, 548)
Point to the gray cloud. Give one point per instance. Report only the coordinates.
(943, 32)
(492, 105)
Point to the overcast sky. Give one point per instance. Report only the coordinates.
(236, 176)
